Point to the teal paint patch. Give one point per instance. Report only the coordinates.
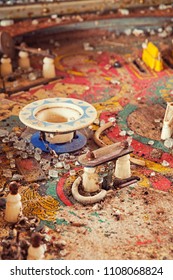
(51, 190)
(106, 90)
(73, 213)
(166, 83)
(49, 224)
(157, 144)
(98, 216)
(131, 187)
(101, 221)
(10, 123)
(61, 222)
(123, 115)
(88, 229)
(95, 214)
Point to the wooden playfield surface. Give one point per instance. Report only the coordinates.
(131, 223)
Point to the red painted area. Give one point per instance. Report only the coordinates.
(142, 241)
(27, 164)
(160, 183)
(75, 80)
(168, 158)
(143, 150)
(145, 242)
(124, 101)
(60, 191)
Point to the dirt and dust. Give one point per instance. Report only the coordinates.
(132, 223)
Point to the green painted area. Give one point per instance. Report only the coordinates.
(48, 224)
(131, 187)
(88, 229)
(61, 222)
(122, 116)
(106, 90)
(51, 190)
(11, 122)
(95, 214)
(157, 144)
(101, 221)
(128, 109)
(74, 214)
(53, 224)
(122, 122)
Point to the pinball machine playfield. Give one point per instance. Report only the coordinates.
(98, 59)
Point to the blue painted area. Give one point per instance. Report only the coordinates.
(76, 144)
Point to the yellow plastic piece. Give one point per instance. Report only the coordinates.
(151, 57)
(146, 57)
(152, 62)
(153, 50)
(159, 65)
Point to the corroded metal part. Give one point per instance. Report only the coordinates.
(7, 44)
(105, 154)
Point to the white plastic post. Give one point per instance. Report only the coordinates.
(90, 179)
(6, 66)
(48, 68)
(122, 167)
(24, 61)
(13, 207)
(167, 128)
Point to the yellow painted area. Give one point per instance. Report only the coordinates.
(106, 140)
(167, 97)
(58, 64)
(149, 72)
(109, 106)
(158, 167)
(166, 91)
(108, 79)
(113, 103)
(169, 85)
(144, 181)
(60, 67)
(77, 73)
(63, 90)
(44, 207)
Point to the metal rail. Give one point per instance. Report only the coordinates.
(112, 25)
(44, 8)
